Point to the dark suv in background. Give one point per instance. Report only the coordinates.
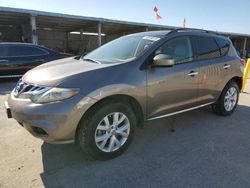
(99, 99)
(17, 58)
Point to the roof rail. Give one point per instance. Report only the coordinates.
(193, 29)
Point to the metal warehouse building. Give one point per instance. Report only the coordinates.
(77, 34)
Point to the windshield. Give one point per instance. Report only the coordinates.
(121, 50)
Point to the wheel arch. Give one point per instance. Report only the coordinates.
(237, 80)
(219, 107)
(121, 98)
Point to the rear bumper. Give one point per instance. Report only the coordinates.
(52, 122)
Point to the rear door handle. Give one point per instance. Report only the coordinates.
(193, 73)
(226, 66)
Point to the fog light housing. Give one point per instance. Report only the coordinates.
(38, 131)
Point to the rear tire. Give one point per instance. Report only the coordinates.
(100, 134)
(228, 100)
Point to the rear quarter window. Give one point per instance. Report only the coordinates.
(22, 50)
(206, 48)
(224, 45)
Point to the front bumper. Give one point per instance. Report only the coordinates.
(51, 122)
(7, 108)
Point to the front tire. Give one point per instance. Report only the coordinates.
(107, 130)
(228, 100)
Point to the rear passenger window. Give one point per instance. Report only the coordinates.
(224, 45)
(180, 49)
(21, 50)
(206, 48)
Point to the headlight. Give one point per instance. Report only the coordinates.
(54, 95)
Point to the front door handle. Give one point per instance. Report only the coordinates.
(4, 61)
(193, 73)
(226, 66)
(39, 61)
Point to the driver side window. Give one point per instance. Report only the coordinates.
(180, 49)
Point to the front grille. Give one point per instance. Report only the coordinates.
(22, 89)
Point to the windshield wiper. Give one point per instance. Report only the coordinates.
(92, 60)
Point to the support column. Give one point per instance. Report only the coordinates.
(99, 38)
(24, 33)
(244, 51)
(146, 28)
(34, 38)
(81, 42)
(66, 44)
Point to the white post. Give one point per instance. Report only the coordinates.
(34, 38)
(99, 38)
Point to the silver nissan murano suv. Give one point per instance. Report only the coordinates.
(99, 99)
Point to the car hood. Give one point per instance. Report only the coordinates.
(54, 72)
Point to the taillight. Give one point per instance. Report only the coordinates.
(243, 62)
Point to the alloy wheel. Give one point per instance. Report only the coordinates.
(230, 99)
(112, 132)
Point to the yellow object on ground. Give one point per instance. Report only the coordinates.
(245, 75)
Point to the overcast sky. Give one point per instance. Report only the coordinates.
(220, 15)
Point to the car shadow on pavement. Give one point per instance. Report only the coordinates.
(205, 149)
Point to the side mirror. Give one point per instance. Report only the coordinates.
(163, 60)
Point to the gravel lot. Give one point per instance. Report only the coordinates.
(204, 151)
